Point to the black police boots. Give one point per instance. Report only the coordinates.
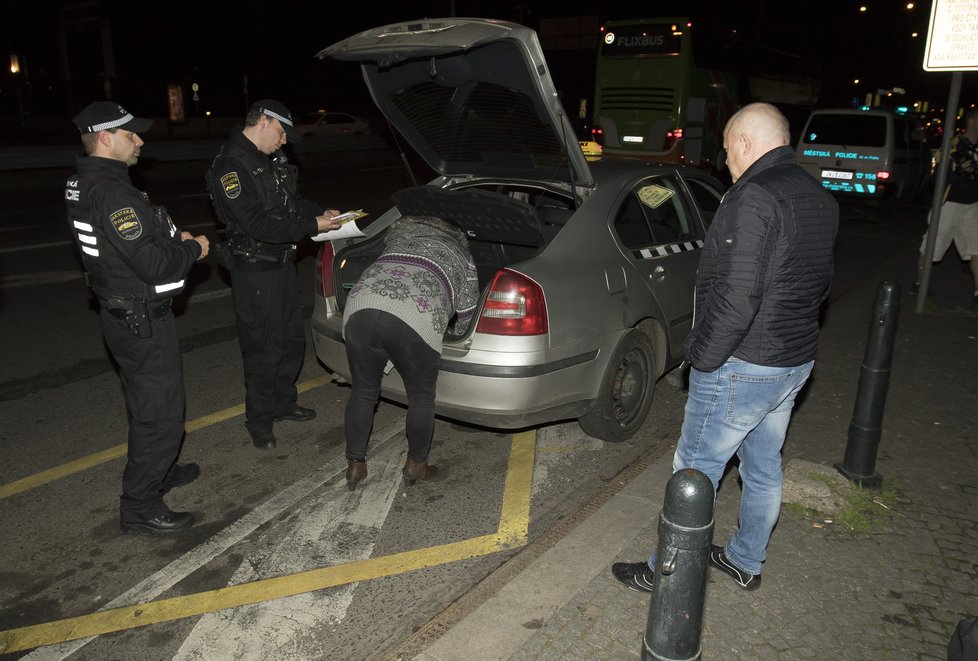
(297, 414)
(164, 524)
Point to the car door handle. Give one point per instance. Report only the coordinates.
(657, 273)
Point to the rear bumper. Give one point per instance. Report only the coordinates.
(510, 396)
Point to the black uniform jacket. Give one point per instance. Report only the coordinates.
(251, 201)
(130, 246)
(765, 269)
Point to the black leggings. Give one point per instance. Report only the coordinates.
(372, 338)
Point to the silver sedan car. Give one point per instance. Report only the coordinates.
(586, 268)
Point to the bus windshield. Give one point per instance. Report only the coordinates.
(641, 40)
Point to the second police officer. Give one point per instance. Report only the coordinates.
(255, 195)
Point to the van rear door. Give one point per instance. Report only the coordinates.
(846, 151)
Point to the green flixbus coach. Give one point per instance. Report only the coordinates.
(664, 88)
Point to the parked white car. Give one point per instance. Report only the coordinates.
(332, 124)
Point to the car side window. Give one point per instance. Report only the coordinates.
(338, 119)
(654, 214)
(707, 199)
(632, 226)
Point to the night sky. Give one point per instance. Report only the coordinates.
(274, 42)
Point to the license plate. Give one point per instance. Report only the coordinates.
(837, 174)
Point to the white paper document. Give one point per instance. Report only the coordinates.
(345, 231)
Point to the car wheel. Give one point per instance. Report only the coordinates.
(626, 391)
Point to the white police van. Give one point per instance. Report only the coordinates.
(868, 153)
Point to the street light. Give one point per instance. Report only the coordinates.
(18, 74)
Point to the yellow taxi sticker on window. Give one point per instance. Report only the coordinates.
(653, 196)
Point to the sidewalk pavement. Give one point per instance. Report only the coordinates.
(894, 591)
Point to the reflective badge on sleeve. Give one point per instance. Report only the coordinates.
(126, 223)
(232, 187)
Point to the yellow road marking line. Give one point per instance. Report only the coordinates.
(84, 463)
(515, 513)
(514, 520)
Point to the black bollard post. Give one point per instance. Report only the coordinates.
(685, 532)
(859, 465)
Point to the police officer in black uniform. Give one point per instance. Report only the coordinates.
(255, 194)
(135, 261)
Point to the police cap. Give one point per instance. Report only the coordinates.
(106, 115)
(277, 110)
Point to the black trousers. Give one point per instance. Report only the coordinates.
(152, 380)
(272, 339)
(372, 338)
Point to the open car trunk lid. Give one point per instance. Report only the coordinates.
(472, 96)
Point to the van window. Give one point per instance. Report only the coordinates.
(862, 130)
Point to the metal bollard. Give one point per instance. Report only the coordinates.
(859, 465)
(685, 532)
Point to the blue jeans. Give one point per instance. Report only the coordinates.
(742, 409)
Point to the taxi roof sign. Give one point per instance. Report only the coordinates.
(951, 43)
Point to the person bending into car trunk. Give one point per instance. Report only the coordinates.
(765, 270)
(254, 191)
(423, 283)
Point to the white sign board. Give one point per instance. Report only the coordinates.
(951, 37)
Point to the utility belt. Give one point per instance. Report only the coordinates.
(136, 312)
(246, 254)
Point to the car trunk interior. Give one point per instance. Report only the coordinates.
(505, 226)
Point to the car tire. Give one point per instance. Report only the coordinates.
(626, 391)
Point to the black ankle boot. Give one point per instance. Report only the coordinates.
(418, 470)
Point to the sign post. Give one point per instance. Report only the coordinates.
(951, 46)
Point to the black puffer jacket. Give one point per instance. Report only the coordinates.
(765, 269)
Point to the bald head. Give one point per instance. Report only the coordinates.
(751, 132)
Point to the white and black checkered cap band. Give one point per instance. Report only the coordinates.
(275, 115)
(104, 126)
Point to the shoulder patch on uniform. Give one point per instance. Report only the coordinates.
(232, 187)
(126, 223)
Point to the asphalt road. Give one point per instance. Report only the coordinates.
(285, 563)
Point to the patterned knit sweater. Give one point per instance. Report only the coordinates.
(425, 276)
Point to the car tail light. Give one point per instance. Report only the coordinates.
(597, 134)
(324, 274)
(514, 306)
(672, 137)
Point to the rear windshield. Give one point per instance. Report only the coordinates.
(847, 130)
